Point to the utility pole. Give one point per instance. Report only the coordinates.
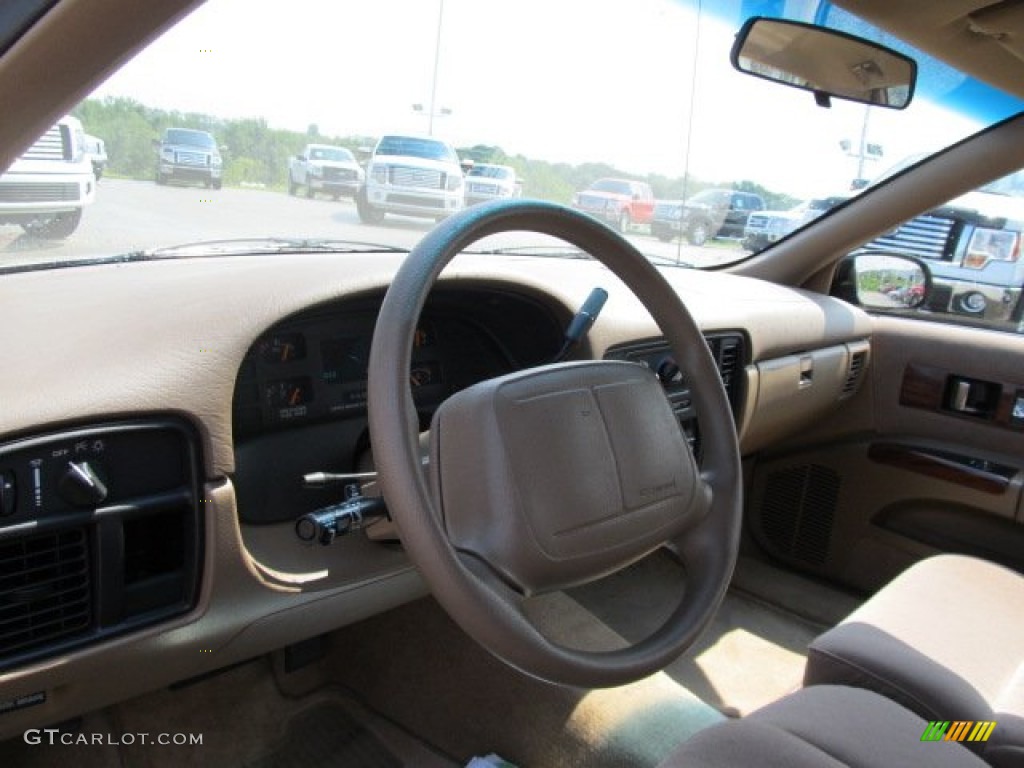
(437, 59)
(863, 142)
(865, 150)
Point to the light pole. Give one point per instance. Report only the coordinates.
(437, 59)
(865, 151)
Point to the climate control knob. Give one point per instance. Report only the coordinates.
(81, 486)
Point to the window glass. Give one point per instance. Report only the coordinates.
(971, 246)
(205, 114)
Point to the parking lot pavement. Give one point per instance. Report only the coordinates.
(129, 216)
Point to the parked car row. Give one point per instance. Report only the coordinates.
(410, 175)
(625, 204)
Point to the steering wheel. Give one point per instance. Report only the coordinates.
(555, 476)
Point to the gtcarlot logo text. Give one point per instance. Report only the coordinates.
(54, 736)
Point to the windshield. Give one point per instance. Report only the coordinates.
(611, 185)
(334, 154)
(405, 146)
(491, 171)
(709, 197)
(189, 138)
(827, 203)
(429, 98)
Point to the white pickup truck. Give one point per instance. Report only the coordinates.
(324, 168)
(45, 190)
(411, 176)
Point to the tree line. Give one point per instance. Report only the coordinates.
(257, 154)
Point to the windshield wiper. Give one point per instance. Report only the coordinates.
(264, 245)
(542, 251)
(238, 247)
(568, 252)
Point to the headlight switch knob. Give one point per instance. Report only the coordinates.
(81, 485)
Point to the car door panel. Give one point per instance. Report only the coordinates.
(898, 472)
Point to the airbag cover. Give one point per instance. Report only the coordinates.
(558, 475)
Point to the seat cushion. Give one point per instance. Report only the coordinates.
(945, 639)
(822, 727)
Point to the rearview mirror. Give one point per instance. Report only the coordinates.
(826, 62)
(889, 281)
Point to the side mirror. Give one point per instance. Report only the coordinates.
(890, 281)
(824, 61)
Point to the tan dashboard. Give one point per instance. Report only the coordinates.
(168, 343)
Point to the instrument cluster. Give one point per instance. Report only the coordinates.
(313, 368)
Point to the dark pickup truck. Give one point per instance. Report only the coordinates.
(708, 214)
(189, 155)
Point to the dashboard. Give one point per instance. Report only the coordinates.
(215, 385)
(299, 405)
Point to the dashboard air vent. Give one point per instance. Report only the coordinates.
(728, 361)
(44, 590)
(727, 351)
(854, 373)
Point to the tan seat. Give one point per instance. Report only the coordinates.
(945, 639)
(822, 727)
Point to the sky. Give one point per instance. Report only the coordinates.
(639, 84)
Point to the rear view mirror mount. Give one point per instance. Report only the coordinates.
(828, 63)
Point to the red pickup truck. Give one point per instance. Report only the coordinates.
(621, 203)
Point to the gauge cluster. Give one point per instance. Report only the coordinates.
(317, 369)
(301, 392)
(313, 368)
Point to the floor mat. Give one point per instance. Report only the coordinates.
(326, 736)
(418, 669)
(813, 600)
(751, 654)
(244, 721)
